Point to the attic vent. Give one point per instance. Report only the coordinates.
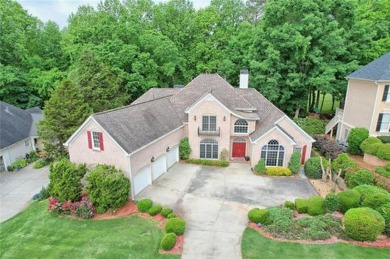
(178, 86)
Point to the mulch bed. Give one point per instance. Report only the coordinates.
(130, 208)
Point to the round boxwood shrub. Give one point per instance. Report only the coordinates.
(155, 209)
(363, 224)
(313, 167)
(384, 152)
(360, 177)
(257, 215)
(168, 241)
(372, 196)
(384, 210)
(315, 206)
(376, 200)
(348, 199)
(301, 205)
(260, 167)
(171, 216)
(332, 202)
(144, 205)
(175, 225)
(289, 204)
(355, 138)
(373, 149)
(365, 146)
(165, 212)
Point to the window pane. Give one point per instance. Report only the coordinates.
(385, 122)
(208, 150)
(215, 151)
(95, 138)
(280, 158)
(205, 123)
(213, 123)
(202, 151)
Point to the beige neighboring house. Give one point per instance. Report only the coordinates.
(142, 139)
(367, 102)
(18, 133)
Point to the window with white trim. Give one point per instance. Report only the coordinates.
(241, 126)
(95, 140)
(386, 94)
(385, 122)
(209, 149)
(209, 123)
(273, 153)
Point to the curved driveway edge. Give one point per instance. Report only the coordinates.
(215, 201)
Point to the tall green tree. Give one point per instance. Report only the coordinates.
(64, 112)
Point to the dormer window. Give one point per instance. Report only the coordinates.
(241, 126)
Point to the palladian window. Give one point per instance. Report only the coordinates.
(273, 153)
(241, 126)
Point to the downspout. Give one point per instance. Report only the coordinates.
(131, 179)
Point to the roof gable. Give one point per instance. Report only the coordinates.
(377, 70)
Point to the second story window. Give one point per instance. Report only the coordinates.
(386, 94)
(383, 124)
(209, 123)
(241, 126)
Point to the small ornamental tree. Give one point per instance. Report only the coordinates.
(355, 138)
(107, 187)
(184, 149)
(295, 162)
(65, 180)
(344, 163)
(260, 167)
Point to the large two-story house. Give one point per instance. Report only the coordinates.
(142, 139)
(367, 102)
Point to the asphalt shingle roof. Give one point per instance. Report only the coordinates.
(17, 124)
(378, 70)
(154, 93)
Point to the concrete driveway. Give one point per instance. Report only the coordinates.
(215, 202)
(18, 188)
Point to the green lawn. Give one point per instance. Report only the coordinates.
(255, 245)
(35, 233)
(327, 103)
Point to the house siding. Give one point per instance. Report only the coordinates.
(380, 107)
(15, 151)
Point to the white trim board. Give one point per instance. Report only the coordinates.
(296, 126)
(292, 142)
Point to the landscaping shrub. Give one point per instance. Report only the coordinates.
(155, 210)
(20, 163)
(313, 167)
(376, 200)
(280, 214)
(370, 190)
(295, 162)
(278, 171)
(319, 227)
(332, 202)
(384, 171)
(348, 199)
(10, 168)
(32, 157)
(175, 225)
(168, 241)
(373, 149)
(384, 139)
(311, 125)
(384, 210)
(384, 152)
(184, 149)
(257, 215)
(65, 180)
(144, 205)
(315, 206)
(108, 187)
(165, 212)
(359, 178)
(363, 224)
(343, 162)
(364, 146)
(301, 205)
(282, 223)
(208, 162)
(289, 204)
(41, 163)
(260, 167)
(101, 210)
(355, 138)
(43, 194)
(171, 216)
(84, 209)
(327, 146)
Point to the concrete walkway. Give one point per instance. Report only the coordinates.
(17, 189)
(215, 202)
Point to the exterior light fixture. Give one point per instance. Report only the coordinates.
(194, 117)
(167, 149)
(152, 160)
(224, 118)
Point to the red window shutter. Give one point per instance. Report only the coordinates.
(101, 141)
(89, 139)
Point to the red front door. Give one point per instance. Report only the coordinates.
(303, 156)
(239, 149)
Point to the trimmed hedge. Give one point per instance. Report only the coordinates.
(384, 152)
(372, 196)
(332, 202)
(384, 139)
(278, 171)
(344, 163)
(355, 138)
(313, 167)
(301, 205)
(370, 190)
(368, 142)
(165, 212)
(363, 224)
(171, 215)
(384, 210)
(144, 205)
(175, 225)
(359, 178)
(348, 199)
(289, 204)
(295, 162)
(208, 162)
(155, 209)
(168, 241)
(260, 167)
(315, 206)
(257, 215)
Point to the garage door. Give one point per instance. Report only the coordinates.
(173, 156)
(159, 167)
(142, 179)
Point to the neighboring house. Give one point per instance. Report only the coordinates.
(18, 133)
(367, 102)
(142, 139)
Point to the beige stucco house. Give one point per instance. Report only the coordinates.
(367, 102)
(142, 139)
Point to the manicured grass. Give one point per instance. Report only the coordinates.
(255, 245)
(35, 233)
(328, 103)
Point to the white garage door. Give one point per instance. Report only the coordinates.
(142, 179)
(173, 156)
(159, 166)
